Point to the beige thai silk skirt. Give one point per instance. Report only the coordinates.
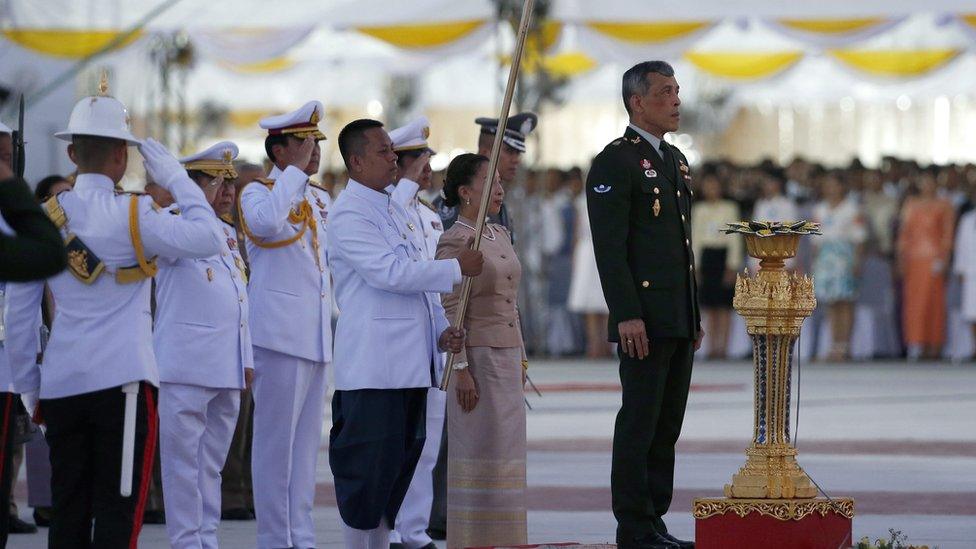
(486, 454)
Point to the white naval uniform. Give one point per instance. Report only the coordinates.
(388, 326)
(290, 318)
(203, 344)
(101, 339)
(414, 516)
(101, 336)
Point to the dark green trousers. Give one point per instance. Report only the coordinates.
(655, 391)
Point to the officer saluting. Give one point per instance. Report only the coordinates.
(284, 218)
(101, 338)
(413, 162)
(639, 199)
(203, 349)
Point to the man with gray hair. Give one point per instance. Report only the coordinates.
(639, 200)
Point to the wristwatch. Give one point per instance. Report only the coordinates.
(458, 366)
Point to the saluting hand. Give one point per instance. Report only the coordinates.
(633, 338)
(161, 165)
(471, 261)
(416, 169)
(303, 155)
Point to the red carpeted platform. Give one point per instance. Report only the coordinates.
(722, 523)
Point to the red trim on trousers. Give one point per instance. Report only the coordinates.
(5, 430)
(148, 455)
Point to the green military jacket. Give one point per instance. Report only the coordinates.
(640, 217)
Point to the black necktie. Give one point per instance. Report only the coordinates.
(668, 158)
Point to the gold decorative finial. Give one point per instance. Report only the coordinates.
(228, 156)
(103, 84)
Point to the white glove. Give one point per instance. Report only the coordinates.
(160, 164)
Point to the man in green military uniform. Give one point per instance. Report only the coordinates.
(639, 200)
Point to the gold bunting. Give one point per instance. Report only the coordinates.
(896, 63)
(648, 33)
(423, 36)
(744, 66)
(67, 43)
(832, 26)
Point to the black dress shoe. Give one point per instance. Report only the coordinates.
(42, 516)
(680, 543)
(437, 533)
(238, 513)
(18, 526)
(430, 545)
(655, 541)
(154, 517)
(396, 546)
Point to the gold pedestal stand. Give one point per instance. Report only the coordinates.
(774, 304)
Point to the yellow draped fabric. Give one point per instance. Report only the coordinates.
(744, 66)
(896, 63)
(647, 33)
(545, 38)
(262, 67)
(423, 36)
(569, 64)
(67, 43)
(832, 26)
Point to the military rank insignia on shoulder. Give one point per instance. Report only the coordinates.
(82, 262)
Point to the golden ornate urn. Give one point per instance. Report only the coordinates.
(774, 304)
(771, 503)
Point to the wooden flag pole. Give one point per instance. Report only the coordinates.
(496, 149)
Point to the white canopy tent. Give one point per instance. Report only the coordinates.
(857, 69)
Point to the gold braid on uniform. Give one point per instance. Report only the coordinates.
(303, 214)
(147, 268)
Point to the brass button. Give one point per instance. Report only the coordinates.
(323, 295)
(682, 217)
(509, 277)
(657, 190)
(679, 194)
(511, 324)
(646, 284)
(691, 267)
(687, 242)
(241, 299)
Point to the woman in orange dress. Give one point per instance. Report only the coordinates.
(924, 245)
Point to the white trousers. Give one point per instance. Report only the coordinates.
(289, 400)
(377, 538)
(414, 515)
(196, 425)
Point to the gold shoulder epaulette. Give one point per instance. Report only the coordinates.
(267, 182)
(55, 212)
(428, 204)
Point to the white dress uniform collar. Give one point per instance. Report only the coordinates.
(5, 128)
(93, 181)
